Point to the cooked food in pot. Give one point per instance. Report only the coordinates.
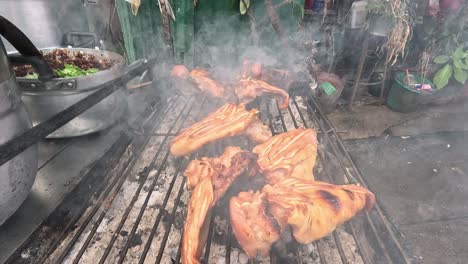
(67, 64)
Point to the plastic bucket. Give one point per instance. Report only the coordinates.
(402, 98)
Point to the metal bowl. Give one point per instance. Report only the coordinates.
(44, 100)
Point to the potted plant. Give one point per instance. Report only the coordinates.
(453, 66)
(449, 46)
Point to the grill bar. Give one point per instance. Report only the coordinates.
(353, 180)
(158, 218)
(171, 220)
(155, 120)
(340, 151)
(142, 210)
(335, 236)
(340, 248)
(361, 240)
(228, 241)
(120, 180)
(127, 211)
(208, 241)
(283, 124)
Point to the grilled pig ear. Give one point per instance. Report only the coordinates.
(254, 229)
(369, 196)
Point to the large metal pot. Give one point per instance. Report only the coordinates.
(44, 100)
(17, 175)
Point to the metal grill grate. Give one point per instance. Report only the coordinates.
(139, 216)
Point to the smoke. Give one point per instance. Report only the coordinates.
(222, 42)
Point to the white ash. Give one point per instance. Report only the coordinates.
(308, 253)
(26, 254)
(329, 250)
(350, 248)
(172, 116)
(306, 112)
(275, 117)
(175, 235)
(150, 213)
(288, 119)
(122, 199)
(295, 113)
(217, 254)
(165, 213)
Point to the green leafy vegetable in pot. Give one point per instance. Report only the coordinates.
(73, 71)
(32, 76)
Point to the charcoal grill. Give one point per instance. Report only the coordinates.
(136, 211)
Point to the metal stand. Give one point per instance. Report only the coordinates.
(362, 62)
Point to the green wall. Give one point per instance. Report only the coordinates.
(212, 32)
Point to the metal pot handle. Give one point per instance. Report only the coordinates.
(134, 65)
(29, 53)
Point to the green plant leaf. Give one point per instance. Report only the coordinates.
(458, 63)
(459, 53)
(460, 75)
(442, 59)
(442, 77)
(244, 6)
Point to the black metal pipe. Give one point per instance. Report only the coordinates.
(29, 53)
(30, 137)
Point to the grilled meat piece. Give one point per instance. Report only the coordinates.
(290, 154)
(207, 84)
(248, 89)
(277, 77)
(197, 170)
(255, 229)
(313, 210)
(228, 121)
(200, 80)
(203, 199)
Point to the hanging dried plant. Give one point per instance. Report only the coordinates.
(401, 32)
(135, 6)
(166, 9)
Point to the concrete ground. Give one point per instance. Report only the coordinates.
(422, 184)
(371, 119)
